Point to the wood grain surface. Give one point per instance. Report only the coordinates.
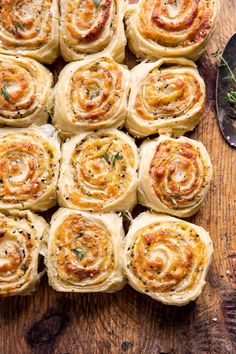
(128, 322)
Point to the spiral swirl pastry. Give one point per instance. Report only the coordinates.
(84, 252)
(91, 94)
(30, 28)
(92, 26)
(167, 97)
(167, 258)
(25, 91)
(98, 172)
(160, 28)
(21, 242)
(174, 175)
(29, 166)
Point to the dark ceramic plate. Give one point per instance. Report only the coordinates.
(225, 112)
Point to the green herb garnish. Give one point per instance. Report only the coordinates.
(97, 3)
(116, 157)
(231, 97)
(231, 94)
(177, 196)
(111, 159)
(18, 26)
(95, 94)
(106, 157)
(79, 252)
(5, 94)
(49, 111)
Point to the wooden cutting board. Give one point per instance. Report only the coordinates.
(128, 322)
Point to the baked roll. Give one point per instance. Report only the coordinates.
(167, 97)
(174, 175)
(25, 91)
(30, 28)
(84, 252)
(22, 236)
(167, 258)
(159, 28)
(91, 94)
(29, 166)
(98, 172)
(90, 27)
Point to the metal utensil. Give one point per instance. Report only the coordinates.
(225, 111)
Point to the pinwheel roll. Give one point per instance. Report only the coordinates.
(167, 258)
(84, 252)
(174, 175)
(30, 28)
(22, 236)
(167, 97)
(160, 28)
(98, 172)
(90, 27)
(25, 91)
(29, 166)
(91, 94)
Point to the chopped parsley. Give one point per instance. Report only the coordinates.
(79, 252)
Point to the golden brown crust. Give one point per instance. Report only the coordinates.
(90, 27)
(30, 28)
(21, 240)
(91, 94)
(158, 28)
(25, 91)
(174, 175)
(84, 252)
(29, 166)
(167, 258)
(98, 172)
(167, 97)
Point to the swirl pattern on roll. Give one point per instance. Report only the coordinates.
(167, 258)
(159, 28)
(174, 175)
(25, 90)
(21, 235)
(167, 97)
(29, 165)
(30, 28)
(83, 254)
(98, 172)
(92, 26)
(91, 94)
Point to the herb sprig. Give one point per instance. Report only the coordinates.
(231, 93)
(49, 111)
(79, 252)
(18, 26)
(112, 158)
(5, 94)
(97, 3)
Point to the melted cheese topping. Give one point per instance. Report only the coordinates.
(89, 22)
(96, 90)
(180, 174)
(28, 169)
(82, 251)
(167, 97)
(167, 258)
(25, 87)
(167, 94)
(91, 94)
(101, 171)
(19, 251)
(27, 26)
(175, 23)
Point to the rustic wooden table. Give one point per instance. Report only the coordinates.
(128, 322)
